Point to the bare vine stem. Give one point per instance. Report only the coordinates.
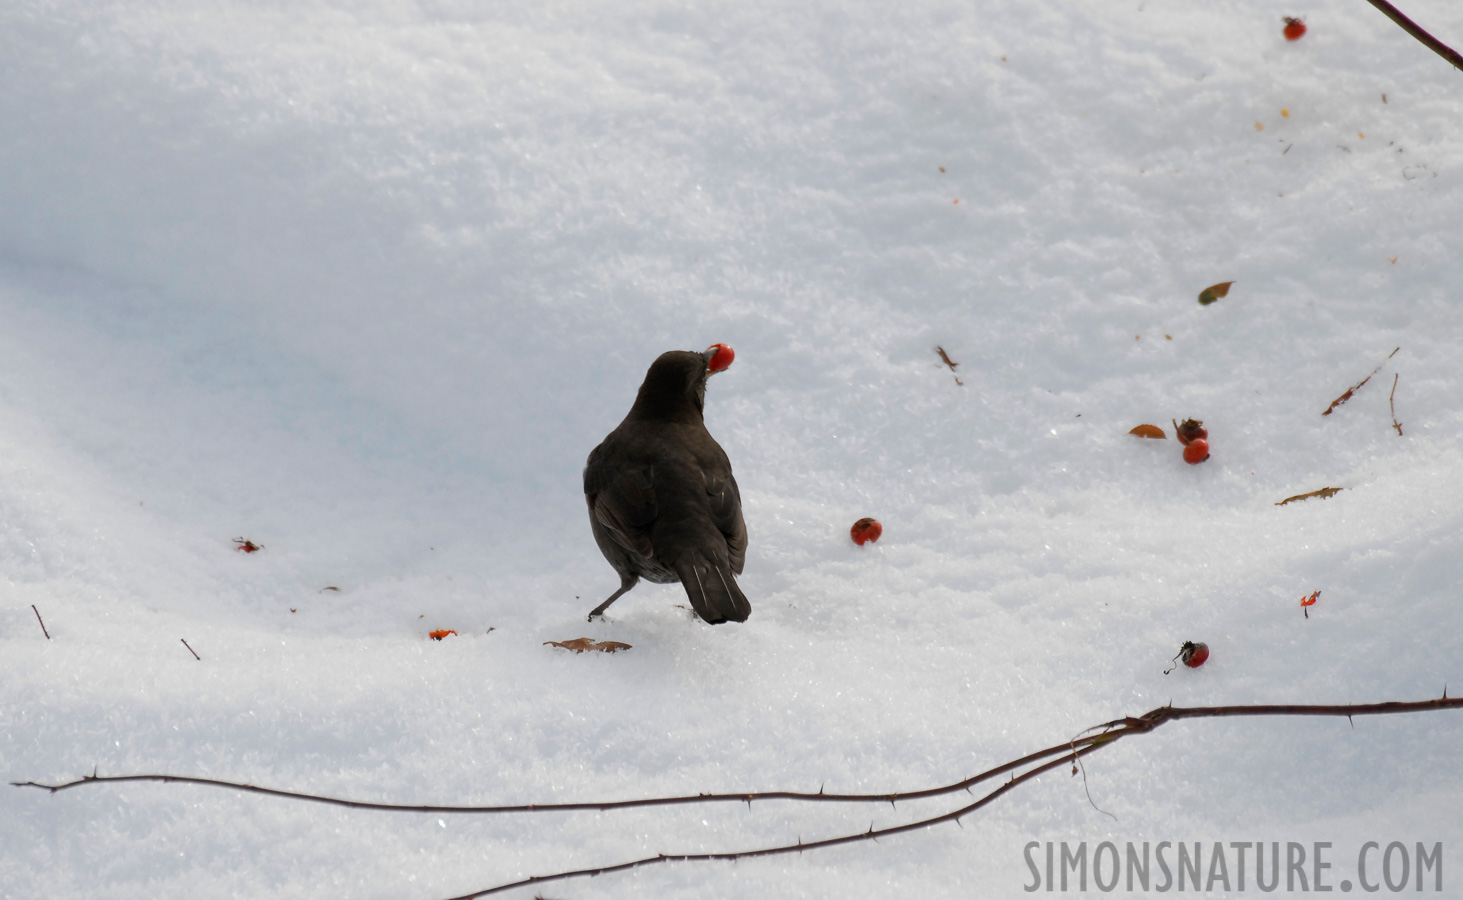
(1412, 28)
(1065, 753)
(596, 805)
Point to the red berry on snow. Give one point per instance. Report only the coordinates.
(1294, 28)
(1190, 430)
(1196, 452)
(1192, 654)
(722, 358)
(865, 531)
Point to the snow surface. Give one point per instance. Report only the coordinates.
(364, 282)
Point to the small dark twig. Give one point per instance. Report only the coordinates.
(1392, 400)
(190, 650)
(42, 621)
(1412, 28)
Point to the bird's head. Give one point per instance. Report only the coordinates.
(675, 385)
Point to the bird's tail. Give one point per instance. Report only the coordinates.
(712, 588)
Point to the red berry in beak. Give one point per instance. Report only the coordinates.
(722, 358)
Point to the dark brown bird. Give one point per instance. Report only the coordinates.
(662, 500)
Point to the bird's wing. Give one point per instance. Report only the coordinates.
(623, 500)
(726, 512)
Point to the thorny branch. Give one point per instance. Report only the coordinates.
(1066, 753)
(1412, 28)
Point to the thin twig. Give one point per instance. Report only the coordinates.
(42, 621)
(1392, 400)
(1412, 28)
(1088, 790)
(191, 650)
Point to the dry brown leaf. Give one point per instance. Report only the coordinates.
(579, 645)
(1149, 431)
(1323, 492)
(1213, 292)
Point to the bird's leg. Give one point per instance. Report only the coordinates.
(626, 582)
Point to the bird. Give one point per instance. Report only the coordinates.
(663, 503)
